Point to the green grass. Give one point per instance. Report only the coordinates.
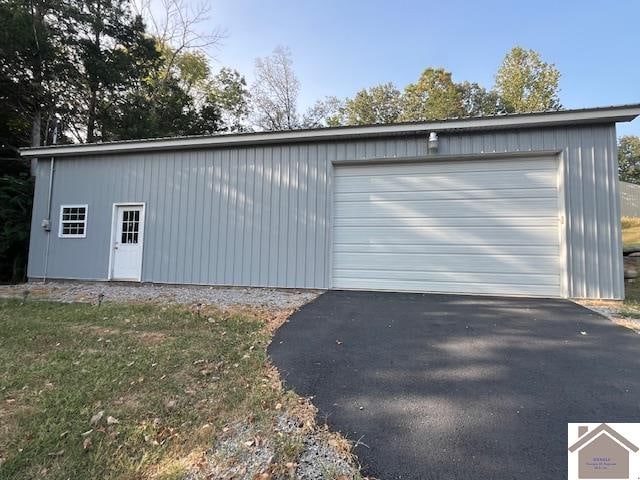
(631, 305)
(172, 379)
(630, 231)
(631, 237)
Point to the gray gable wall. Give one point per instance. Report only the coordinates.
(261, 216)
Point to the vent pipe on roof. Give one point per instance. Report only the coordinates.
(432, 144)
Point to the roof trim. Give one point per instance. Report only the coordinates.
(596, 432)
(621, 113)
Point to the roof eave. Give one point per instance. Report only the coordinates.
(623, 113)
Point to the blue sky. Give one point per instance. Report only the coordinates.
(340, 47)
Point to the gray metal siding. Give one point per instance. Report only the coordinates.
(243, 216)
(261, 216)
(630, 199)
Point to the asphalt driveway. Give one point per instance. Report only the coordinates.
(459, 387)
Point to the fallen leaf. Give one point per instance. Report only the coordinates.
(338, 342)
(86, 445)
(96, 418)
(64, 434)
(56, 454)
(88, 432)
(278, 406)
(112, 420)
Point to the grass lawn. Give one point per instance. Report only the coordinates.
(631, 237)
(630, 231)
(131, 391)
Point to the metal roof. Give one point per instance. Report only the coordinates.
(611, 114)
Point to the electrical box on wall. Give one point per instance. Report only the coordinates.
(46, 224)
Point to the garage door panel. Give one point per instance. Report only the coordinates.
(451, 277)
(446, 249)
(453, 181)
(463, 166)
(504, 235)
(504, 193)
(447, 208)
(440, 222)
(522, 264)
(452, 287)
(489, 227)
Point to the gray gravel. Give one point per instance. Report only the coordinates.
(221, 297)
(239, 457)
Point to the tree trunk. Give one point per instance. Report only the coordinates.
(36, 129)
(91, 116)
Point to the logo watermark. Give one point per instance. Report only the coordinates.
(604, 450)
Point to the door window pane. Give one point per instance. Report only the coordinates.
(130, 226)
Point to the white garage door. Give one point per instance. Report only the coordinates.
(485, 227)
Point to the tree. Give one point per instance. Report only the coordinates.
(178, 25)
(16, 194)
(328, 112)
(228, 90)
(629, 158)
(378, 104)
(115, 55)
(478, 101)
(526, 83)
(35, 65)
(275, 92)
(433, 97)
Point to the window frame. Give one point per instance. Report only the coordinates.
(84, 222)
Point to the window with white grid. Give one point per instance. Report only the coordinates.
(130, 226)
(73, 221)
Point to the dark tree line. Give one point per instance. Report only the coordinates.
(95, 68)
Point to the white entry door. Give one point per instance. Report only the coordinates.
(127, 242)
(479, 227)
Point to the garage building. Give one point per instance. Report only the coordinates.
(521, 204)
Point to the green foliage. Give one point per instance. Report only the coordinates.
(629, 158)
(526, 83)
(478, 101)
(16, 193)
(378, 104)
(434, 96)
(228, 90)
(114, 53)
(35, 63)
